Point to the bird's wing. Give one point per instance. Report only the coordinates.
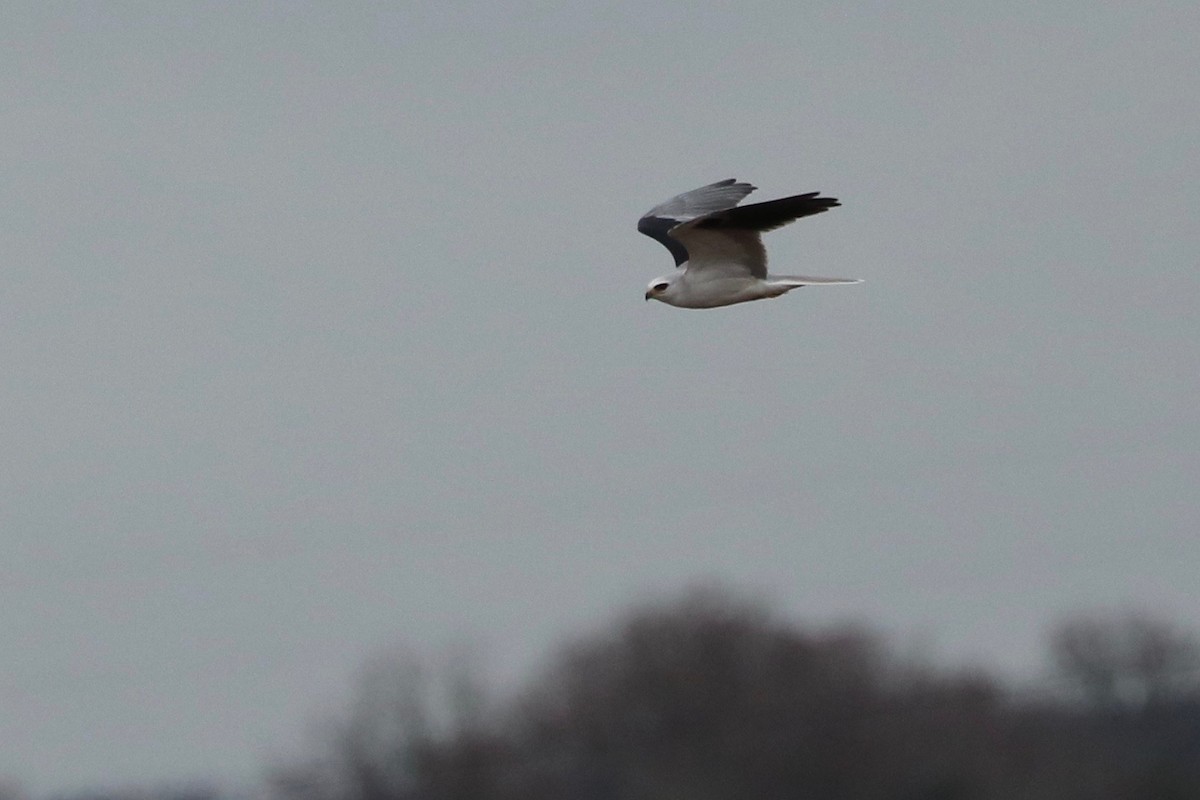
(658, 221)
(730, 239)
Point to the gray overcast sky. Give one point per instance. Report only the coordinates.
(322, 330)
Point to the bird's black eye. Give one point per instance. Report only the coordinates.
(661, 287)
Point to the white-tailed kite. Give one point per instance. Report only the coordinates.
(718, 249)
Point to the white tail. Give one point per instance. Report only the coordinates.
(793, 281)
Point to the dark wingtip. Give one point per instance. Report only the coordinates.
(828, 202)
(769, 215)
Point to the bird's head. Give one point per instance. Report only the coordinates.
(661, 288)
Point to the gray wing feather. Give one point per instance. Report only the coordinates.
(658, 221)
(705, 200)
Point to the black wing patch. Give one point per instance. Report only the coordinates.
(657, 229)
(769, 215)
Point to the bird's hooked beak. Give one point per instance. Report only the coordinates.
(648, 294)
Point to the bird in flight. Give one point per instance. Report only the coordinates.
(717, 245)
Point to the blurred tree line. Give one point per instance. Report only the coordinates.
(713, 698)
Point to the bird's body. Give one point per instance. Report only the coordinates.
(698, 290)
(718, 247)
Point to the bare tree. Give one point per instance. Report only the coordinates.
(713, 698)
(411, 734)
(1126, 661)
(373, 752)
